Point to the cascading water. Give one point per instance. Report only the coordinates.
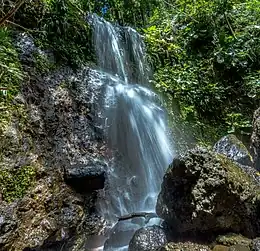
(135, 127)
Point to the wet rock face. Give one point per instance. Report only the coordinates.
(148, 239)
(206, 193)
(234, 149)
(255, 139)
(86, 178)
(60, 140)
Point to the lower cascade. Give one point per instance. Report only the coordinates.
(135, 127)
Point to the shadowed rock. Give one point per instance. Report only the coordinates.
(86, 178)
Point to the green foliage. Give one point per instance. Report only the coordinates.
(66, 32)
(206, 54)
(59, 25)
(43, 63)
(15, 183)
(130, 12)
(10, 69)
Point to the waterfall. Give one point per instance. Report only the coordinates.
(135, 126)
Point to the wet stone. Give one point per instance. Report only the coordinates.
(86, 178)
(148, 239)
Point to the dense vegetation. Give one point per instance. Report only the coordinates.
(206, 54)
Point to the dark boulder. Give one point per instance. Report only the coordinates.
(86, 178)
(255, 139)
(206, 193)
(148, 239)
(234, 149)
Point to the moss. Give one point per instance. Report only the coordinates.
(237, 178)
(43, 64)
(11, 73)
(11, 113)
(184, 246)
(235, 141)
(220, 248)
(15, 183)
(233, 239)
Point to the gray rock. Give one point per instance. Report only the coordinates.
(206, 193)
(8, 222)
(256, 244)
(234, 149)
(86, 178)
(148, 239)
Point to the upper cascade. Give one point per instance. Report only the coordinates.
(119, 51)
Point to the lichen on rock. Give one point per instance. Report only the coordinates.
(185, 246)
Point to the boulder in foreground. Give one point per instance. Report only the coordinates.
(206, 193)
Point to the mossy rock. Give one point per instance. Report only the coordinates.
(206, 193)
(15, 183)
(184, 246)
(233, 239)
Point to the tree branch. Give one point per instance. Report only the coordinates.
(12, 11)
(233, 33)
(26, 29)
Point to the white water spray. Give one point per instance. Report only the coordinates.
(135, 127)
